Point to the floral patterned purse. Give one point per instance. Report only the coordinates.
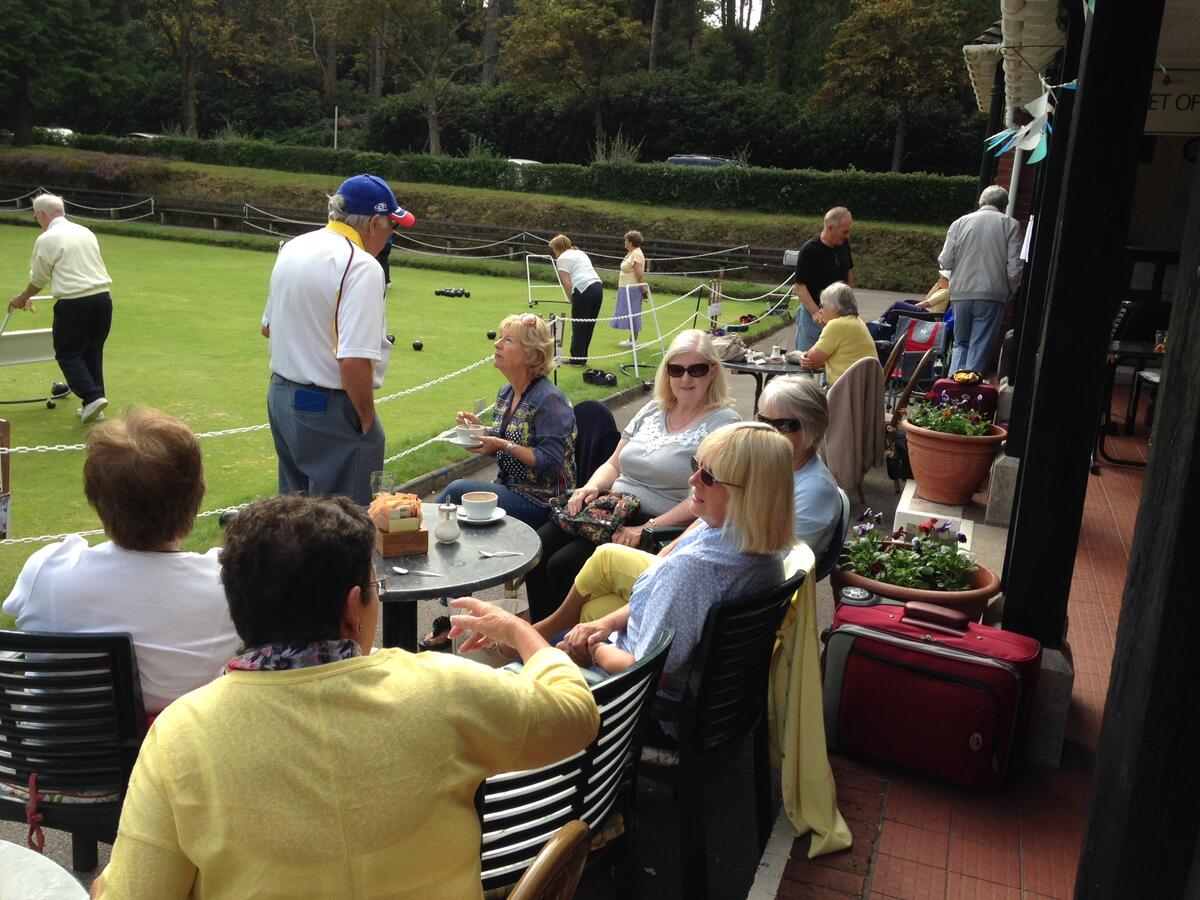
(597, 520)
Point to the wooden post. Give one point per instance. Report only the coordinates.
(1144, 821)
(1092, 220)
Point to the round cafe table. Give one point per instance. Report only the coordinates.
(764, 372)
(460, 566)
(27, 875)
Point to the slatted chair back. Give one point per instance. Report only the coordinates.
(521, 811)
(71, 724)
(726, 687)
(725, 699)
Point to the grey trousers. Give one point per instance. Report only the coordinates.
(319, 442)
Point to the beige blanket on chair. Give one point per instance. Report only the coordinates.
(854, 441)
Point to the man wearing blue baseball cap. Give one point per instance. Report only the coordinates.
(326, 323)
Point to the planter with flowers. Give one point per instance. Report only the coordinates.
(925, 565)
(950, 447)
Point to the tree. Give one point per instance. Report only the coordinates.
(584, 43)
(189, 28)
(898, 51)
(426, 38)
(52, 50)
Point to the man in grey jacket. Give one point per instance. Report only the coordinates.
(983, 253)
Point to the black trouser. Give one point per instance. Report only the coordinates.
(585, 304)
(80, 328)
(563, 555)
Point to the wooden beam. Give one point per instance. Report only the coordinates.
(1092, 221)
(1144, 818)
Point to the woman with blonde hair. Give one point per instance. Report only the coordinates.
(581, 283)
(741, 479)
(651, 462)
(532, 431)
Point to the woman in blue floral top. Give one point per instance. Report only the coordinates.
(532, 432)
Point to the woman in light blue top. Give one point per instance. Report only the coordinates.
(797, 409)
(740, 492)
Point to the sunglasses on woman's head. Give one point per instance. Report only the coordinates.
(784, 426)
(708, 477)
(696, 370)
(529, 319)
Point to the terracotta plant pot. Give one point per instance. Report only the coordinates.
(948, 468)
(984, 586)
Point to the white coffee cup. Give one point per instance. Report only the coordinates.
(478, 505)
(469, 432)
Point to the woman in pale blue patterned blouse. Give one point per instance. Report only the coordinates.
(532, 430)
(741, 492)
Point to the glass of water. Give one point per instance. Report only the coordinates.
(382, 482)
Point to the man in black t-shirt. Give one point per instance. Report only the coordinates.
(823, 260)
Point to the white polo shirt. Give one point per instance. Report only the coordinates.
(67, 256)
(326, 302)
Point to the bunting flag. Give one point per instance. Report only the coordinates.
(1034, 136)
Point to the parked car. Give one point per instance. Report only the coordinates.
(58, 135)
(696, 159)
(142, 135)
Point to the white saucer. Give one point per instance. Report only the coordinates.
(459, 442)
(496, 516)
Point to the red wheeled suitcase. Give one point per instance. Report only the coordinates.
(980, 397)
(924, 688)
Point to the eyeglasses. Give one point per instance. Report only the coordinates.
(708, 477)
(380, 585)
(783, 426)
(696, 370)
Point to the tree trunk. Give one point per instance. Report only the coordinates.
(188, 94)
(378, 58)
(491, 44)
(898, 143)
(434, 121)
(598, 122)
(329, 70)
(656, 32)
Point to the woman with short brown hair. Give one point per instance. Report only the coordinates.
(144, 476)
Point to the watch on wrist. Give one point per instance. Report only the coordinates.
(508, 448)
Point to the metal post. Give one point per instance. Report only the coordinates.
(335, 127)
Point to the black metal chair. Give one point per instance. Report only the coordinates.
(725, 699)
(71, 724)
(521, 811)
(830, 557)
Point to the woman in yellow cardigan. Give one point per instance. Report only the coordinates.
(316, 768)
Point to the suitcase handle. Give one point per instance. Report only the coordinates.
(941, 618)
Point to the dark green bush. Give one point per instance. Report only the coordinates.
(927, 199)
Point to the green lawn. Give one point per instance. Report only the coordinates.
(186, 339)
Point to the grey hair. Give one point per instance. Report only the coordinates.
(799, 398)
(337, 213)
(994, 195)
(840, 296)
(50, 204)
(836, 215)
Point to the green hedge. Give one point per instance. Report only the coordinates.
(883, 196)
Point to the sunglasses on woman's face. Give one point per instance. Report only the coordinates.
(696, 370)
(708, 477)
(783, 426)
